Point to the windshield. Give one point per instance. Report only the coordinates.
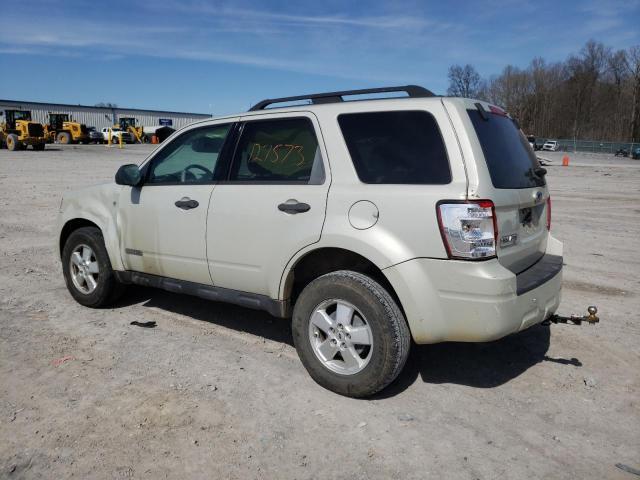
(18, 115)
(510, 159)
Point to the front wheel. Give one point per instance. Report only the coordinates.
(64, 138)
(13, 143)
(350, 334)
(87, 269)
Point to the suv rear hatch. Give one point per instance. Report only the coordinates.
(519, 190)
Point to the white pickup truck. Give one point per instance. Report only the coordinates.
(551, 146)
(115, 135)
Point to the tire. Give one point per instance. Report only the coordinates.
(13, 143)
(107, 289)
(380, 362)
(64, 138)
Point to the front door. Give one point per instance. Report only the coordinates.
(163, 223)
(270, 204)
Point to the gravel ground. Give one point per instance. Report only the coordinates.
(217, 391)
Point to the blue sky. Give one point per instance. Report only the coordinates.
(220, 56)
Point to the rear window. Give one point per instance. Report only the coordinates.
(509, 157)
(402, 147)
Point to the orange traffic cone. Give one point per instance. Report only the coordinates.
(565, 161)
(154, 139)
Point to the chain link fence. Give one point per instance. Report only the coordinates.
(594, 146)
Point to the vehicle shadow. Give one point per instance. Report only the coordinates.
(241, 319)
(479, 365)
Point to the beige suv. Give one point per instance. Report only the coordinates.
(368, 222)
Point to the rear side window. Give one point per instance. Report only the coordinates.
(509, 157)
(401, 147)
(280, 151)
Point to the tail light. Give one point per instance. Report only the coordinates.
(469, 229)
(549, 212)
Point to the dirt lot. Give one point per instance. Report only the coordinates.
(217, 391)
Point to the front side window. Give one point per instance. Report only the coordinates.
(190, 158)
(278, 151)
(397, 147)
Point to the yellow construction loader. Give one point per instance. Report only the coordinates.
(128, 124)
(17, 131)
(62, 129)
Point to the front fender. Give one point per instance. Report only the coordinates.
(98, 205)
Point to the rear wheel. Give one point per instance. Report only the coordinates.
(64, 138)
(349, 333)
(87, 269)
(13, 143)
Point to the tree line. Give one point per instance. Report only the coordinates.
(594, 94)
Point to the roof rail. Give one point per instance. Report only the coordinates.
(335, 97)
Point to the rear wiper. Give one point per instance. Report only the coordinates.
(482, 111)
(540, 172)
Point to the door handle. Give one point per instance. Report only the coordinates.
(293, 207)
(185, 203)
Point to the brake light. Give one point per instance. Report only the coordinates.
(497, 111)
(469, 229)
(549, 212)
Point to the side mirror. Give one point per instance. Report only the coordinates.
(129, 175)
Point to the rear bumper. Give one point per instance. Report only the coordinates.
(449, 300)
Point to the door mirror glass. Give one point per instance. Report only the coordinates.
(129, 175)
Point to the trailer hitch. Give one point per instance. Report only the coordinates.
(591, 318)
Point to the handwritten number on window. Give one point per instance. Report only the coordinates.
(277, 154)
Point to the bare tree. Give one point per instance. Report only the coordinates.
(633, 67)
(464, 81)
(106, 104)
(594, 94)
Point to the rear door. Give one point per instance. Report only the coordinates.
(270, 204)
(515, 185)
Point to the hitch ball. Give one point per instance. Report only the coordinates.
(592, 317)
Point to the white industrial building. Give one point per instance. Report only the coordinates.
(103, 117)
